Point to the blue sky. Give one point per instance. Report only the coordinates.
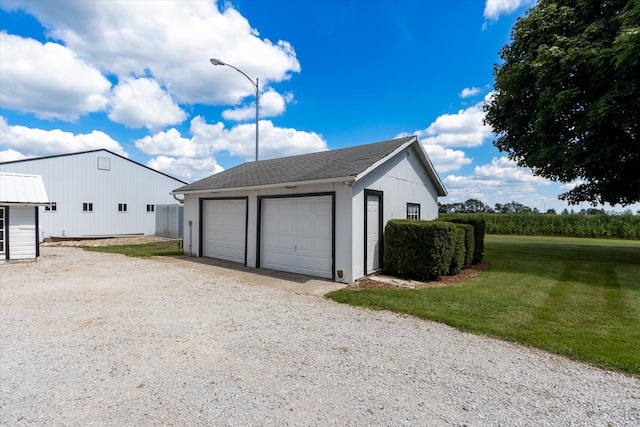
(134, 77)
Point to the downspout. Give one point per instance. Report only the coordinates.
(179, 200)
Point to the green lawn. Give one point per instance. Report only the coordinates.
(576, 297)
(168, 247)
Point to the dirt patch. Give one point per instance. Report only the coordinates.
(112, 241)
(388, 282)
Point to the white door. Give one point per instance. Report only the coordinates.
(373, 233)
(22, 232)
(297, 235)
(3, 255)
(224, 229)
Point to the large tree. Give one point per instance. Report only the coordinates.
(567, 97)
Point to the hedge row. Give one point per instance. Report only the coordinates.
(426, 250)
(596, 226)
(479, 230)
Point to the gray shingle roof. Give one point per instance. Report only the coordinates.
(341, 163)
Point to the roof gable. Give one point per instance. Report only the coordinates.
(333, 165)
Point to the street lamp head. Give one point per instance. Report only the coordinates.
(215, 61)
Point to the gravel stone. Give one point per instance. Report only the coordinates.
(100, 339)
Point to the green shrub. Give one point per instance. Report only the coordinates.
(479, 225)
(469, 243)
(420, 250)
(459, 251)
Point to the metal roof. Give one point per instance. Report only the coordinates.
(325, 166)
(22, 189)
(31, 159)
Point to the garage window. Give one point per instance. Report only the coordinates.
(122, 207)
(413, 211)
(53, 207)
(87, 207)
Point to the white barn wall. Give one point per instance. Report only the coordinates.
(73, 179)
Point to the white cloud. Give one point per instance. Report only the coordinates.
(188, 170)
(271, 104)
(193, 158)
(49, 80)
(11, 155)
(494, 8)
(469, 91)
(501, 181)
(31, 142)
(463, 129)
(171, 143)
(446, 159)
(466, 128)
(142, 102)
(122, 38)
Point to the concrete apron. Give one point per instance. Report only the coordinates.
(291, 282)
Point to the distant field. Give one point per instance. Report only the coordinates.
(575, 297)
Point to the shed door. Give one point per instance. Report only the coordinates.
(224, 229)
(373, 233)
(22, 232)
(3, 255)
(297, 235)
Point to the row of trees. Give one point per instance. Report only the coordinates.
(476, 206)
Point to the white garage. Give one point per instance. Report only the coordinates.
(319, 214)
(224, 229)
(296, 235)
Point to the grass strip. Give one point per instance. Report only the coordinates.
(164, 248)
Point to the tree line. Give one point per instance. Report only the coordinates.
(477, 206)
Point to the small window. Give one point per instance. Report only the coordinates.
(151, 208)
(87, 207)
(104, 163)
(122, 207)
(413, 211)
(53, 207)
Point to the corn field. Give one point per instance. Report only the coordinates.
(596, 226)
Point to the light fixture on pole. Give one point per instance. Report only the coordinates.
(215, 61)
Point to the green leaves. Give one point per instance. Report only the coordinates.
(567, 97)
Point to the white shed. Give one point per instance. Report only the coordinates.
(97, 193)
(321, 214)
(20, 196)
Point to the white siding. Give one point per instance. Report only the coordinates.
(402, 180)
(71, 180)
(22, 232)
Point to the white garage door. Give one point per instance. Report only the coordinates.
(297, 235)
(224, 229)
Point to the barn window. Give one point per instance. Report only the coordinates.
(151, 208)
(104, 163)
(413, 211)
(122, 207)
(87, 207)
(53, 207)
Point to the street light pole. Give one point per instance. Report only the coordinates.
(256, 86)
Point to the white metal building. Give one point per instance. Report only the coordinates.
(321, 214)
(97, 193)
(20, 196)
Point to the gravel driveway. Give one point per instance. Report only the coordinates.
(98, 339)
